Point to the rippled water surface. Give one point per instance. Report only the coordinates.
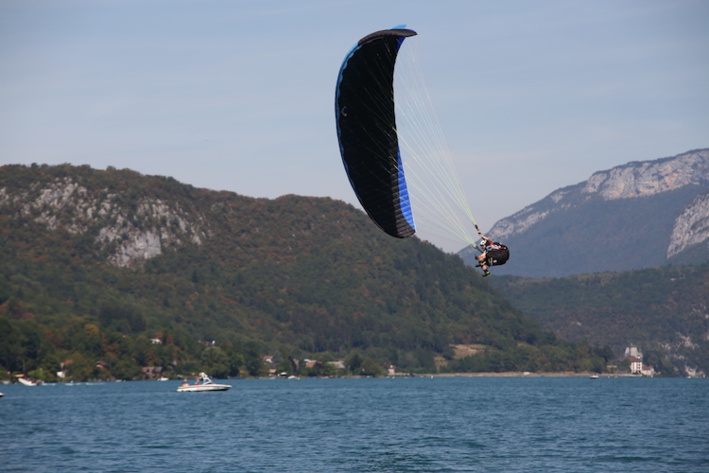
(361, 425)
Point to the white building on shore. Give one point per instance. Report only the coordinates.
(635, 357)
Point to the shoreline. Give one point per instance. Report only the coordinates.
(525, 374)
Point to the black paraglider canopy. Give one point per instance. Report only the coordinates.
(366, 129)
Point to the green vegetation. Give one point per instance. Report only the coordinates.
(237, 279)
(661, 310)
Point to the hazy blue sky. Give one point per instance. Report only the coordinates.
(238, 95)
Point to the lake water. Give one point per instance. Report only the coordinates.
(461, 424)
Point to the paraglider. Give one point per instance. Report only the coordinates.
(494, 254)
(366, 129)
(371, 146)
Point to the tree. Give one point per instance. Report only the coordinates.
(80, 367)
(370, 367)
(254, 365)
(215, 362)
(354, 363)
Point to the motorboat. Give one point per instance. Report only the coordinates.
(203, 384)
(26, 382)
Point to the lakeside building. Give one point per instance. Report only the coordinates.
(635, 357)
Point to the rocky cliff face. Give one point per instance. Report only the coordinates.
(129, 232)
(691, 226)
(630, 181)
(647, 178)
(664, 200)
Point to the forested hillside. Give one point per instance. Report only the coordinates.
(105, 273)
(664, 311)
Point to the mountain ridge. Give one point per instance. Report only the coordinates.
(99, 264)
(298, 275)
(641, 214)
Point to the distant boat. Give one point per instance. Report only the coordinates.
(203, 384)
(593, 376)
(26, 382)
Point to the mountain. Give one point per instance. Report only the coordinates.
(639, 215)
(107, 272)
(665, 311)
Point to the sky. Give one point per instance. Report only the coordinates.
(239, 95)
